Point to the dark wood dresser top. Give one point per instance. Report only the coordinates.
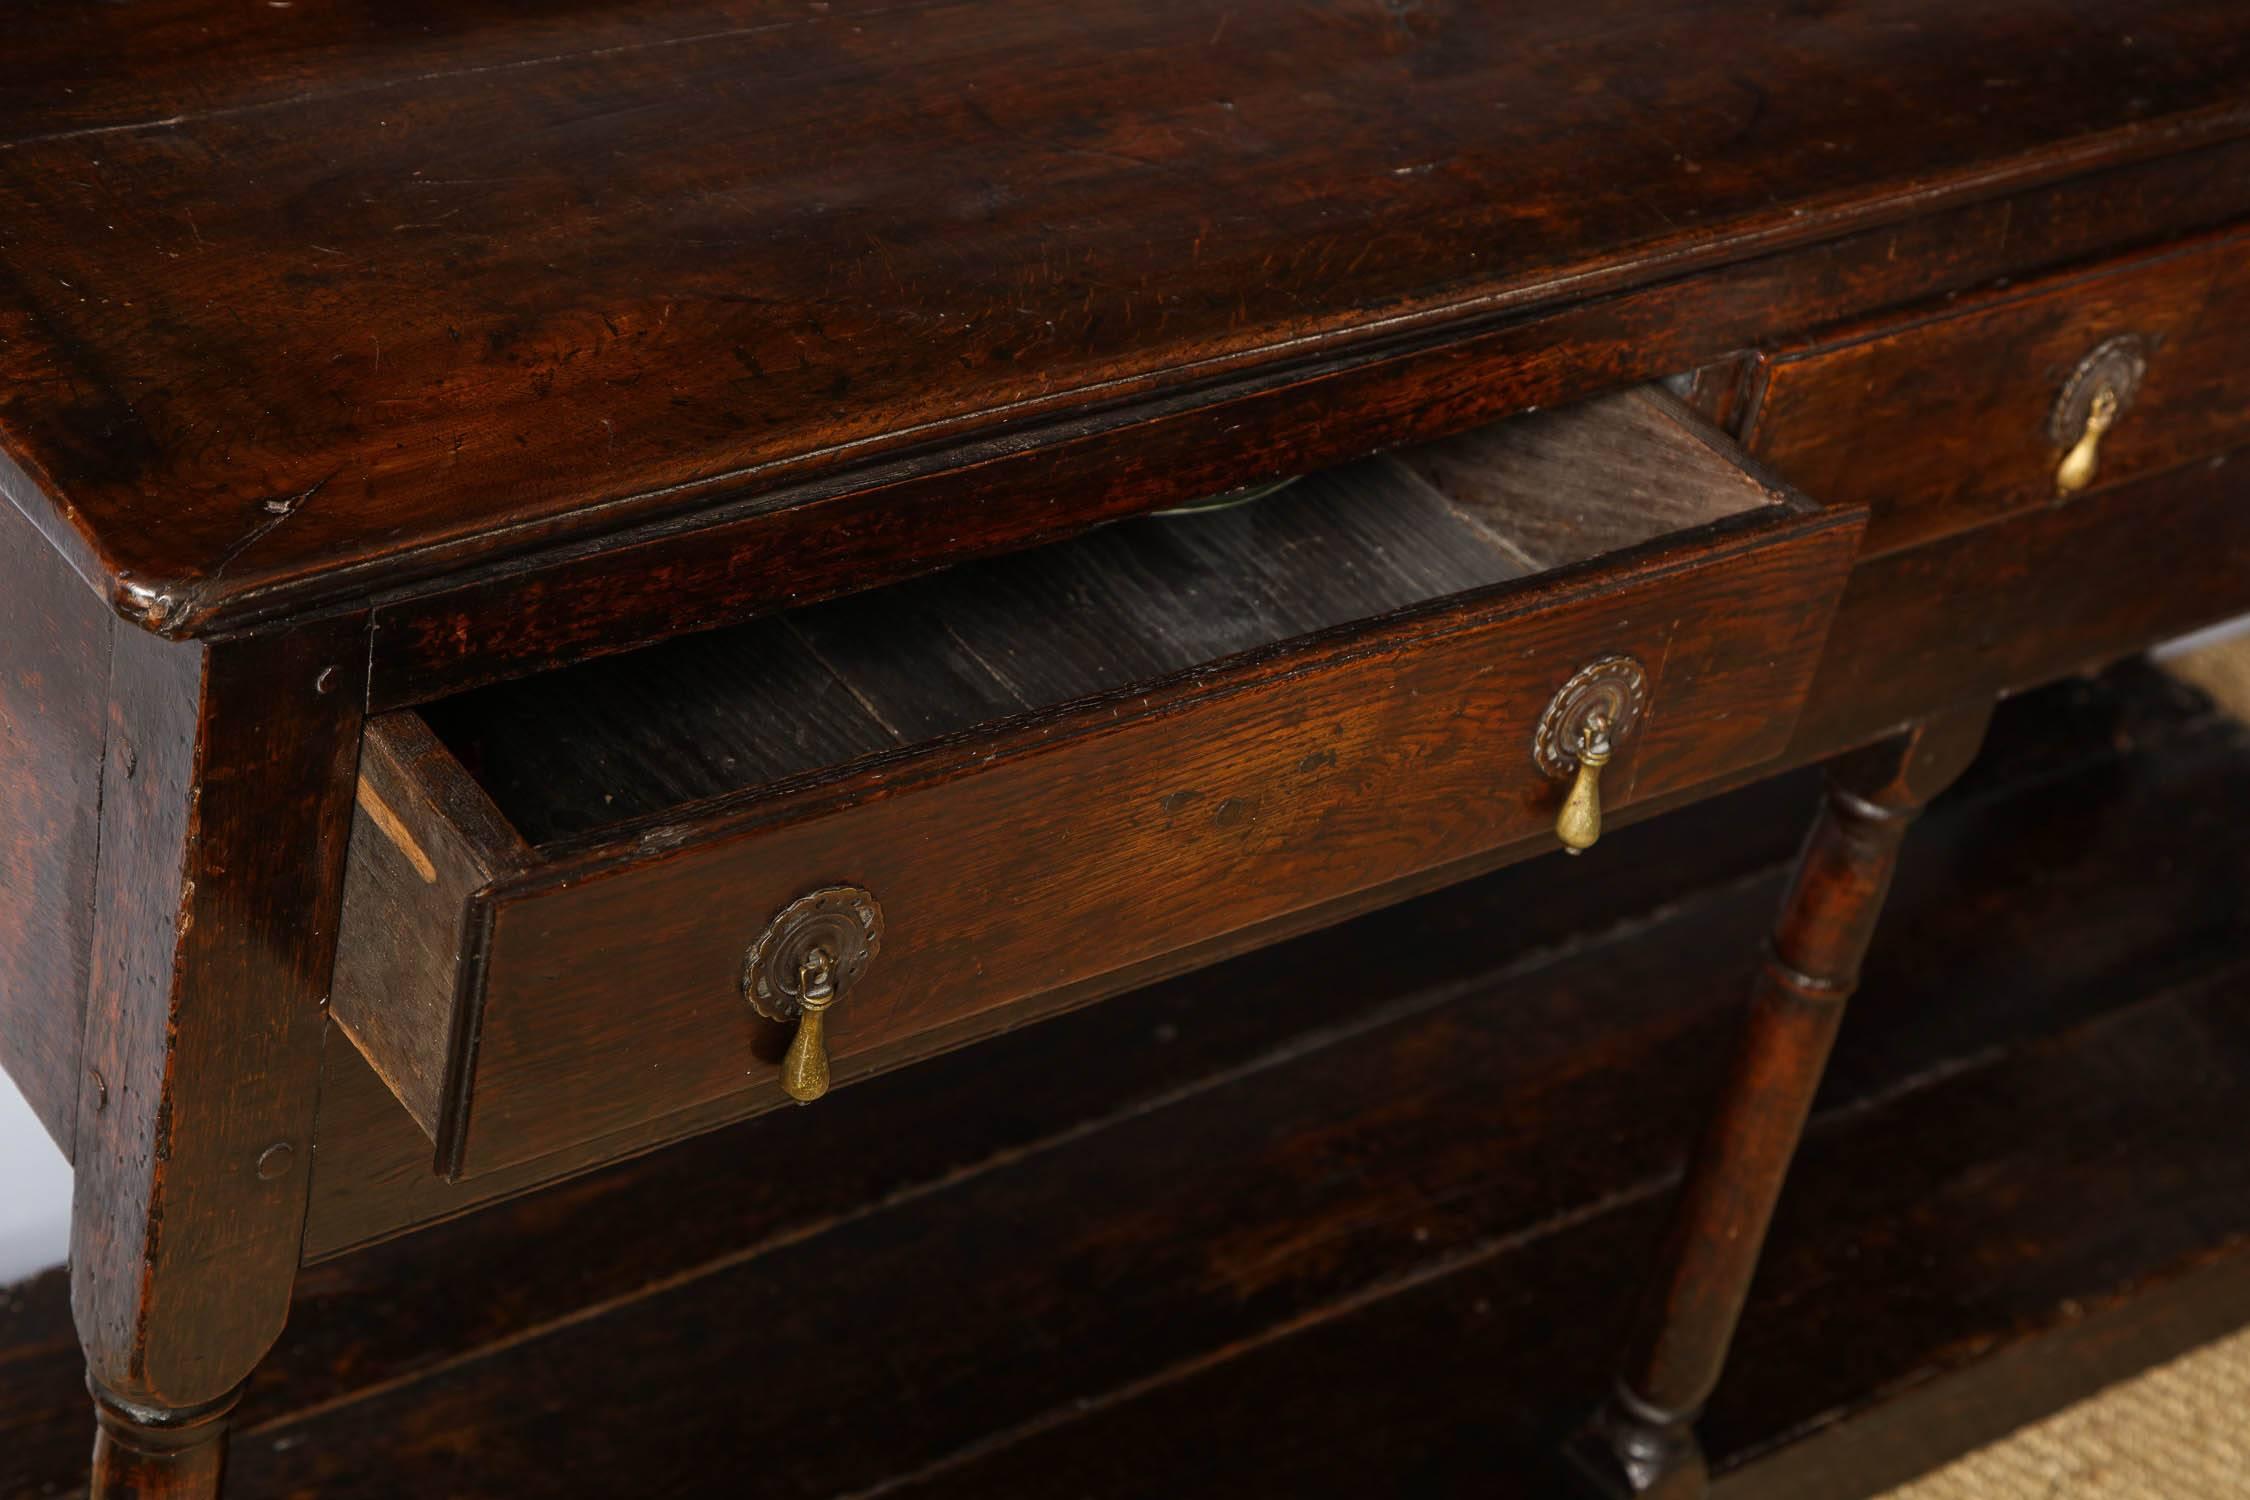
(303, 303)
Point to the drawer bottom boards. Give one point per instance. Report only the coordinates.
(1056, 773)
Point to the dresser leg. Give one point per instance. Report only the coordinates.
(159, 1455)
(227, 784)
(1642, 1442)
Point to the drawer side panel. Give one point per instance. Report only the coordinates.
(424, 843)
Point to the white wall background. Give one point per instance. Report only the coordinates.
(34, 1192)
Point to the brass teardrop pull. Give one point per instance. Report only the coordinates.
(802, 965)
(1578, 736)
(1580, 823)
(2097, 394)
(2084, 458)
(804, 1072)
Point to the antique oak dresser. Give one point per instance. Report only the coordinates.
(579, 571)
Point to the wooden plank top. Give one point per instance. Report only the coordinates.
(304, 301)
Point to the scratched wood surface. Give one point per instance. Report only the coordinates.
(2009, 605)
(54, 680)
(425, 839)
(1939, 421)
(728, 711)
(1998, 1277)
(1189, 768)
(298, 301)
(874, 526)
(1896, 648)
(205, 1018)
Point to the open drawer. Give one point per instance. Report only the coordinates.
(585, 903)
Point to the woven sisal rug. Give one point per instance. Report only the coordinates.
(2179, 1432)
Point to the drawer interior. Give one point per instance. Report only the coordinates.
(1058, 772)
(726, 713)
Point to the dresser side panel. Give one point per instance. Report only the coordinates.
(54, 668)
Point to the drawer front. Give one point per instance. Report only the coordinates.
(2041, 596)
(1118, 839)
(1947, 422)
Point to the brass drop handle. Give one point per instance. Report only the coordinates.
(2084, 458)
(1579, 825)
(2093, 399)
(1578, 736)
(806, 960)
(804, 1072)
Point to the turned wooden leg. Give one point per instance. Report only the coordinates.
(147, 1452)
(227, 785)
(1642, 1441)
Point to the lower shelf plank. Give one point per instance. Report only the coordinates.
(1978, 1217)
(1881, 1439)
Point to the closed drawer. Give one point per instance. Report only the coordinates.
(1963, 416)
(1053, 775)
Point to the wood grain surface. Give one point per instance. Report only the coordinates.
(211, 963)
(868, 526)
(54, 681)
(724, 713)
(374, 1178)
(1167, 819)
(465, 1360)
(384, 353)
(1940, 423)
(2007, 606)
(300, 303)
(425, 841)
(1925, 1209)
(2096, 579)
(1104, 732)
(1642, 1439)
